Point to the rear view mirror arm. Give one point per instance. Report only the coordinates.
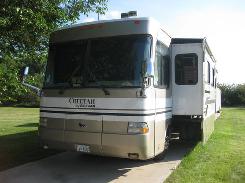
(36, 89)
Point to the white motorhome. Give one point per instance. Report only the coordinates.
(121, 87)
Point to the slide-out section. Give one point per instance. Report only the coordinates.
(187, 78)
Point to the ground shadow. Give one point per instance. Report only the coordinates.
(28, 125)
(20, 148)
(181, 147)
(76, 167)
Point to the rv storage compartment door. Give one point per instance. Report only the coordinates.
(187, 78)
(84, 131)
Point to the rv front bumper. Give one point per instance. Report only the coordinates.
(138, 146)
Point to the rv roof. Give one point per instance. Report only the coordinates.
(108, 28)
(108, 21)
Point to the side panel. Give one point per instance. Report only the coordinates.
(209, 91)
(188, 99)
(163, 92)
(207, 127)
(218, 100)
(162, 121)
(210, 96)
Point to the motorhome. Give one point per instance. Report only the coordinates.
(121, 87)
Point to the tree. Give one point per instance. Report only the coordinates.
(25, 28)
(26, 24)
(233, 95)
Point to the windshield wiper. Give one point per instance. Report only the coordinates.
(68, 80)
(106, 92)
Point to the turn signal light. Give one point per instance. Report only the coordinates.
(144, 130)
(137, 128)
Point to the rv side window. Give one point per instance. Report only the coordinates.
(161, 66)
(212, 77)
(208, 73)
(186, 69)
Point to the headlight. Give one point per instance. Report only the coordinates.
(137, 128)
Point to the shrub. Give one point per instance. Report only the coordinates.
(232, 95)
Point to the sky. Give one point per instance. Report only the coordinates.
(222, 22)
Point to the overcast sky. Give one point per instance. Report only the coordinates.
(221, 21)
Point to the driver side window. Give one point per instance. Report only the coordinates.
(161, 66)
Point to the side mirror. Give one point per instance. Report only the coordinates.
(26, 71)
(147, 76)
(23, 73)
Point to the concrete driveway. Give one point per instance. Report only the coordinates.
(74, 167)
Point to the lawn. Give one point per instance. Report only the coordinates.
(18, 137)
(222, 158)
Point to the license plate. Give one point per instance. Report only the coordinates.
(83, 148)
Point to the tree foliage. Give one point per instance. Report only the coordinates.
(233, 95)
(25, 28)
(26, 24)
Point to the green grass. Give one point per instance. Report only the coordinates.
(19, 137)
(222, 158)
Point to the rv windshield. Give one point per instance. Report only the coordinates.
(108, 62)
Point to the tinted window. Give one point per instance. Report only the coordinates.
(111, 61)
(213, 75)
(161, 66)
(67, 60)
(208, 72)
(118, 60)
(186, 69)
